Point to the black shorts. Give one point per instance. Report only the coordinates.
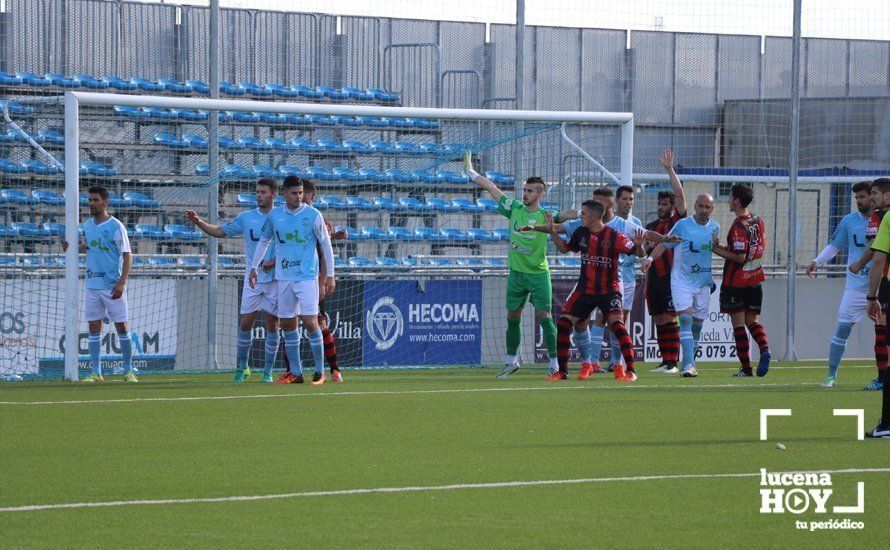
(884, 294)
(658, 295)
(581, 305)
(746, 298)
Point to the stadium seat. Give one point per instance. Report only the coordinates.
(47, 197)
(361, 203)
(382, 95)
(10, 136)
(175, 86)
(14, 107)
(253, 144)
(375, 233)
(357, 94)
(161, 262)
(274, 119)
(303, 144)
(117, 201)
(198, 86)
(440, 262)
(142, 201)
(429, 148)
(440, 205)
(406, 148)
(32, 261)
(470, 262)
(403, 234)
(7, 232)
(398, 122)
(7, 79)
(130, 112)
(569, 261)
(90, 82)
(159, 113)
(331, 145)
(55, 229)
(428, 234)
(453, 149)
(195, 141)
(386, 261)
(467, 206)
(40, 168)
(346, 174)
(455, 235)
(255, 90)
(119, 83)
(453, 177)
(320, 203)
(355, 146)
(332, 93)
(32, 79)
(247, 200)
(496, 262)
(169, 140)
(351, 120)
(190, 114)
(147, 85)
(190, 262)
(422, 123)
(9, 167)
(499, 178)
(381, 147)
(321, 173)
(503, 233)
(307, 92)
(183, 232)
(84, 200)
(16, 196)
(323, 120)
(244, 116)
(488, 204)
(374, 122)
(414, 205)
(372, 174)
(225, 142)
(226, 262)
(266, 171)
(27, 229)
(428, 177)
(230, 89)
(92, 168)
(400, 175)
(340, 264)
(282, 91)
(335, 202)
(408, 261)
(278, 144)
(359, 261)
(50, 137)
(353, 233)
(389, 205)
(226, 116)
(288, 170)
(483, 235)
(62, 81)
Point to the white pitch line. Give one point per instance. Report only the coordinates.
(411, 489)
(591, 387)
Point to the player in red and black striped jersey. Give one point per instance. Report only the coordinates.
(671, 209)
(741, 295)
(598, 285)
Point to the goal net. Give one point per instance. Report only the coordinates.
(420, 278)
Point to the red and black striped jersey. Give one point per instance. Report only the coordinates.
(600, 255)
(874, 222)
(746, 236)
(662, 266)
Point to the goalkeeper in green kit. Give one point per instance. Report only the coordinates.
(529, 272)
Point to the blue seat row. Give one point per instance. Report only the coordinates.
(43, 137)
(409, 262)
(195, 87)
(303, 145)
(403, 204)
(42, 196)
(419, 234)
(40, 168)
(237, 172)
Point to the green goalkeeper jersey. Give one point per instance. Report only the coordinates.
(528, 249)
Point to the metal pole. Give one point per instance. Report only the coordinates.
(790, 353)
(213, 188)
(72, 213)
(520, 83)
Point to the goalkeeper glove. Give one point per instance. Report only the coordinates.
(468, 166)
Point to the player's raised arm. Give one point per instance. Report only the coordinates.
(481, 180)
(212, 230)
(667, 161)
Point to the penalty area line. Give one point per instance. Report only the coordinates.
(410, 489)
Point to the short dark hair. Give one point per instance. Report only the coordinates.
(268, 182)
(308, 186)
(536, 179)
(603, 192)
(743, 192)
(883, 185)
(623, 189)
(293, 181)
(862, 186)
(595, 207)
(98, 190)
(667, 195)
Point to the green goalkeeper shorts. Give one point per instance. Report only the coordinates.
(520, 285)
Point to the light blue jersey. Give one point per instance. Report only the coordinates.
(250, 224)
(850, 234)
(295, 235)
(627, 264)
(106, 244)
(692, 256)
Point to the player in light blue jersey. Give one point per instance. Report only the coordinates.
(264, 297)
(850, 234)
(297, 229)
(691, 280)
(108, 265)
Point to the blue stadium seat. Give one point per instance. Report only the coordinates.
(16, 196)
(381, 147)
(183, 232)
(175, 86)
(189, 262)
(7, 79)
(470, 262)
(359, 261)
(119, 83)
(398, 122)
(195, 141)
(15, 107)
(130, 112)
(383, 95)
(50, 137)
(274, 119)
(332, 93)
(428, 234)
(499, 178)
(27, 229)
(467, 206)
(32, 261)
(357, 94)
(389, 205)
(453, 177)
(429, 148)
(351, 120)
(84, 200)
(319, 203)
(307, 92)
(62, 81)
(335, 202)
(346, 174)
(9, 167)
(372, 174)
(226, 262)
(10, 136)
(47, 197)
(255, 90)
(386, 261)
(331, 145)
(440, 262)
(190, 114)
(355, 146)
(406, 148)
(252, 143)
(428, 177)
(340, 264)
(161, 262)
(408, 261)
(440, 205)
(229, 173)
(142, 201)
(289, 170)
(503, 233)
(226, 116)
(375, 233)
(244, 116)
(374, 122)
(198, 86)
(488, 204)
(321, 173)
(159, 113)
(266, 171)
(403, 234)
(282, 91)
(32, 79)
(7, 232)
(400, 175)
(225, 142)
(422, 123)
(455, 235)
(147, 85)
(91, 168)
(569, 261)
(169, 140)
(361, 203)
(303, 144)
(279, 144)
(40, 168)
(230, 89)
(90, 82)
(453, 149)
(324, 120)
(414, 205)
(55, 229)
(483, 235)
(117, 201)
(496, 262)
(353, 233)
(246, 200)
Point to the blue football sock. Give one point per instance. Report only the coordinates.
(687, 342)
(316, 344)
(273, 341)
(95, 345)
(292, 347)
(126, 350)
(697, 325)
(243, 348)
(596, 341)
(582, 342)
(837, 346)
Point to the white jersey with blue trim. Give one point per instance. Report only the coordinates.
(851, 234)
(627, 264)
(250, 224)
(692, 255)
(295, 235)
(106, 244)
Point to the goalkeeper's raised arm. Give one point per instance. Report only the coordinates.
(481, 180)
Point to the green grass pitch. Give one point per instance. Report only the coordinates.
(185, 437)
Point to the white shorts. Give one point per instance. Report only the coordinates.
(262, 298)
(297, 298)
(696, 300)
(853, 306)
(100, 305)
(627, 295)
